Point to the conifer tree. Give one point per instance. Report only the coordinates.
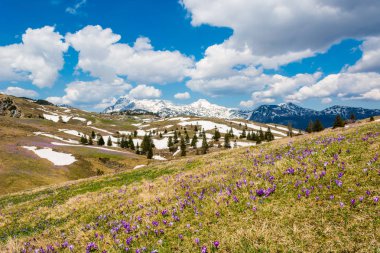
(231, 132)
(150, 153)
(135, 133)
(268, 135)
(175, 137)
(216, 136)
(249, 136)
(90, 141)
(290, 129)
(371, 118)
(183, 147)
(165, 131)
(204, 145)
(130, 143)
(137, 149)
(83, 140)
(187, 138)
(170, 142)
(194, 141)
(227, 143)
(160, 135)
(243, 134)
(109, 142)
(309, 127)
(352, 117)
(338, 122)
(93, 135)
(318, 126)
(261, 135)
(101, 141)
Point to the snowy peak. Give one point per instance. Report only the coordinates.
(163, 108)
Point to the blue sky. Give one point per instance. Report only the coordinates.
(87, 53)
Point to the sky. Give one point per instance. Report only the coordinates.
(241, 54)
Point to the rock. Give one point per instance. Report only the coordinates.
(9, 108)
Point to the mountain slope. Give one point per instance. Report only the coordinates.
(299, 117)
(301, 195)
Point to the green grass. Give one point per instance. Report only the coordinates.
(75, 212)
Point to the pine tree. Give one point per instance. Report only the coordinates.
(170, 142)
(137, 149)
(90, 141)
(318, 126)
(194, 141)
(261, 135)
(204, 145)
(371, 118)
(187, 138)
(83, 140)
(183, 147)
(175, 137)
(101, 141)
(165, 131)
(243, 134)
(227, 143)
(93, 135)
(216, 136)
(338, 122)
(249, 136)
(109, 141)
(195, 128)
(309, 127)
(268, 135)
(231, 132)
(352, 117)
(290, 129)
(130, 143)
(235, 144)
(150, 153)
(135, 133)
(160, 135)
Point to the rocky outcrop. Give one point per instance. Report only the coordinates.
(9, 108)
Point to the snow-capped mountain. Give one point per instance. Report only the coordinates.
(299, 117)
(164, 108)
(283, 114)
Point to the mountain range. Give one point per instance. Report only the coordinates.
(283, 114)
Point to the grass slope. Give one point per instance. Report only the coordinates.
(315, 193)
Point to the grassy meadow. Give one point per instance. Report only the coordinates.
(312, 193)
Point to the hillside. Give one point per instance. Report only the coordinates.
(40, 143)
(311, 193)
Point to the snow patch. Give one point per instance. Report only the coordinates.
(57, 158)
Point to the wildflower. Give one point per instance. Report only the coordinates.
(91, 247)
(361, 198)
(180, 236)
(331, 197)
(339, 183)
(353, 202)
(196, 240)
(204, 249)
(155, 223)
(216, 244)
(341, 204)
(260, 192)
(376, 199)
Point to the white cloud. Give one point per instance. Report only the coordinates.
(19, 92)
(370, 60)
(74, 10)
(342, 85)
(37, 59)
(184, 95)
(272, 27)
(144, 91)
(101, 54)
(247, 103)
(326, 100)
(90, 92)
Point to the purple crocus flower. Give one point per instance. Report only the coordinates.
(216, 244)
(204, 249)
(376, 199)
(196, 240)
(353, 202)
(260, 192)
(339, 183)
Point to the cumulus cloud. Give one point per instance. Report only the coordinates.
(91, 92)
(101, 54)
(370, 60)
(184, 95)
(342, 85)
(37, 59)
(275, 27)
(19, 92)
(144, 91)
